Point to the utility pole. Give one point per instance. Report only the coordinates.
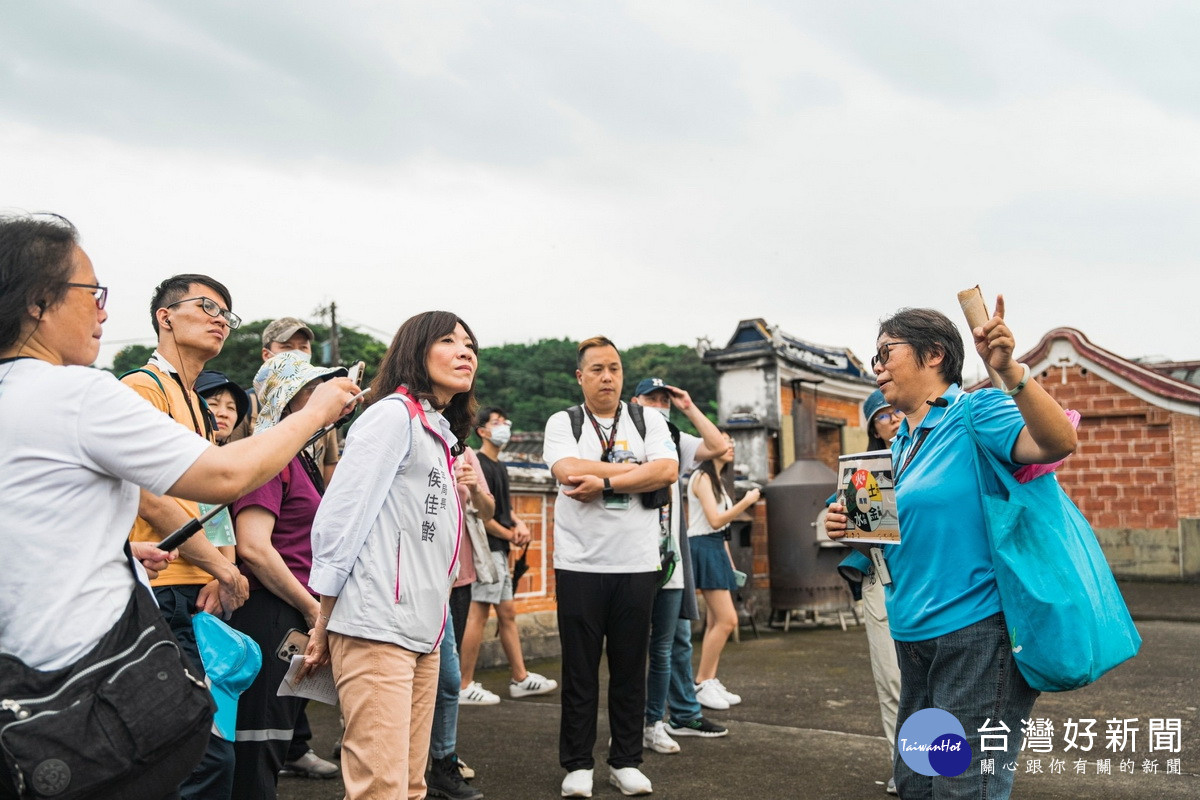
(334, 354)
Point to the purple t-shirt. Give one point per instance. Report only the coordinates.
(294, 510)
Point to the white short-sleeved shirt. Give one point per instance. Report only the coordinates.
(589, 537)
(75, 445)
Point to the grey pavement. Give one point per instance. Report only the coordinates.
(809, 727)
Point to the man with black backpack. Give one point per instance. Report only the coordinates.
(614, 466)
(669, 684)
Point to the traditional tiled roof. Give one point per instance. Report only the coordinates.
(1067, 347)
(754, 336)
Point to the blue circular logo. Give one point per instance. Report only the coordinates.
(933, 742)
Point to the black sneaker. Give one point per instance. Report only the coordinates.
(444, 780)
(697, 727)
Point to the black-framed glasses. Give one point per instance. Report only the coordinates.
(884, 353)
(99, 293)
(213, 310)
(888, 416)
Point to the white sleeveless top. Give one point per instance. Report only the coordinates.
(697, 519)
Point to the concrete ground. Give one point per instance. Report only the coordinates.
(809, 727)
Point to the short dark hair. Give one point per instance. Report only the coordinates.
(404, 364)
(929, 332)
(588, 344)
(175, 288)
(485, 415)
(35, 267)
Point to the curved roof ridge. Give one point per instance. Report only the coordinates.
(1141, 375)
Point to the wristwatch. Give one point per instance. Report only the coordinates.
(608, 490)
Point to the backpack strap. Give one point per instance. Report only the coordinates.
(635, 413)
(638, 415)
(161, 388)
(674, 429)
(576, 415)
(210, 422)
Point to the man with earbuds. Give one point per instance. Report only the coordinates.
(192, 316)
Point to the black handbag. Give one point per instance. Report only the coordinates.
(520, 567)
(125, 717)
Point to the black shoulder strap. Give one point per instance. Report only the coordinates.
(638, 415)
(161, 388)
(635, 414)
(674, 429)
(576, 415)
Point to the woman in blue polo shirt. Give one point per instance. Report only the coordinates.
(943, 604)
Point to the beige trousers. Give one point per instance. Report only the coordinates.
(883, 656)
(387, 695)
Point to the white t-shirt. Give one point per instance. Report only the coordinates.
(688, 447)
(697, 519)
(591, 537)
(75, 445)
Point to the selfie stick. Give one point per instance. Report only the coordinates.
(194, 526)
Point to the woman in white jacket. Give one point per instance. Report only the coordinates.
(385, 551)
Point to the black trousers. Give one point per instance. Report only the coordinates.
(265, 721)
(598, 611)
(460, 606)
(213, 775)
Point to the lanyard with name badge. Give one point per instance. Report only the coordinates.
(876, 553)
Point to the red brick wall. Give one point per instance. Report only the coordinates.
(829, 439)
(1125, 470)
(1185, 444)
(530, 507)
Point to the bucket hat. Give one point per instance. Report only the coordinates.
(280, 378)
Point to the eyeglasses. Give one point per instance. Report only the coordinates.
(213, 310)
(888, 416)
(884, 353)
(99, 293)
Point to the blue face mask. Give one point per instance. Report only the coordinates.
(666, 412)
(501, 434)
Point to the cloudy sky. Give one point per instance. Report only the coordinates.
(654, 171)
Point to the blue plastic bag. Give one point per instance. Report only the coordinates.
(1067, 620)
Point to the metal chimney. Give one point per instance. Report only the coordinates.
(803, 573)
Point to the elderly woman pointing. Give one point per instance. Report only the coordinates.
(76, 445)
(942, 602)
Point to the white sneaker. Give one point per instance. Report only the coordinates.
(629, 780)
(656, 738)
(476, 695)
(709, 695)
(730, 697)
(578, 783)
(533, 684)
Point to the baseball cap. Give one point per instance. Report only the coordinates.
(231, 661)
(648, 385)
(284, 328)
(873, 405)
(279, 379)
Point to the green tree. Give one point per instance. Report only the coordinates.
(533, 381)
(130, 357)
(529, 381)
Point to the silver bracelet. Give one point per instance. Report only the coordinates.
(1016, 390)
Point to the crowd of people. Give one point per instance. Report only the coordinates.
(383, 561)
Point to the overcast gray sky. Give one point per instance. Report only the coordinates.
(653, 171)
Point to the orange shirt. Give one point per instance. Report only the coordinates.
(174, 403)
